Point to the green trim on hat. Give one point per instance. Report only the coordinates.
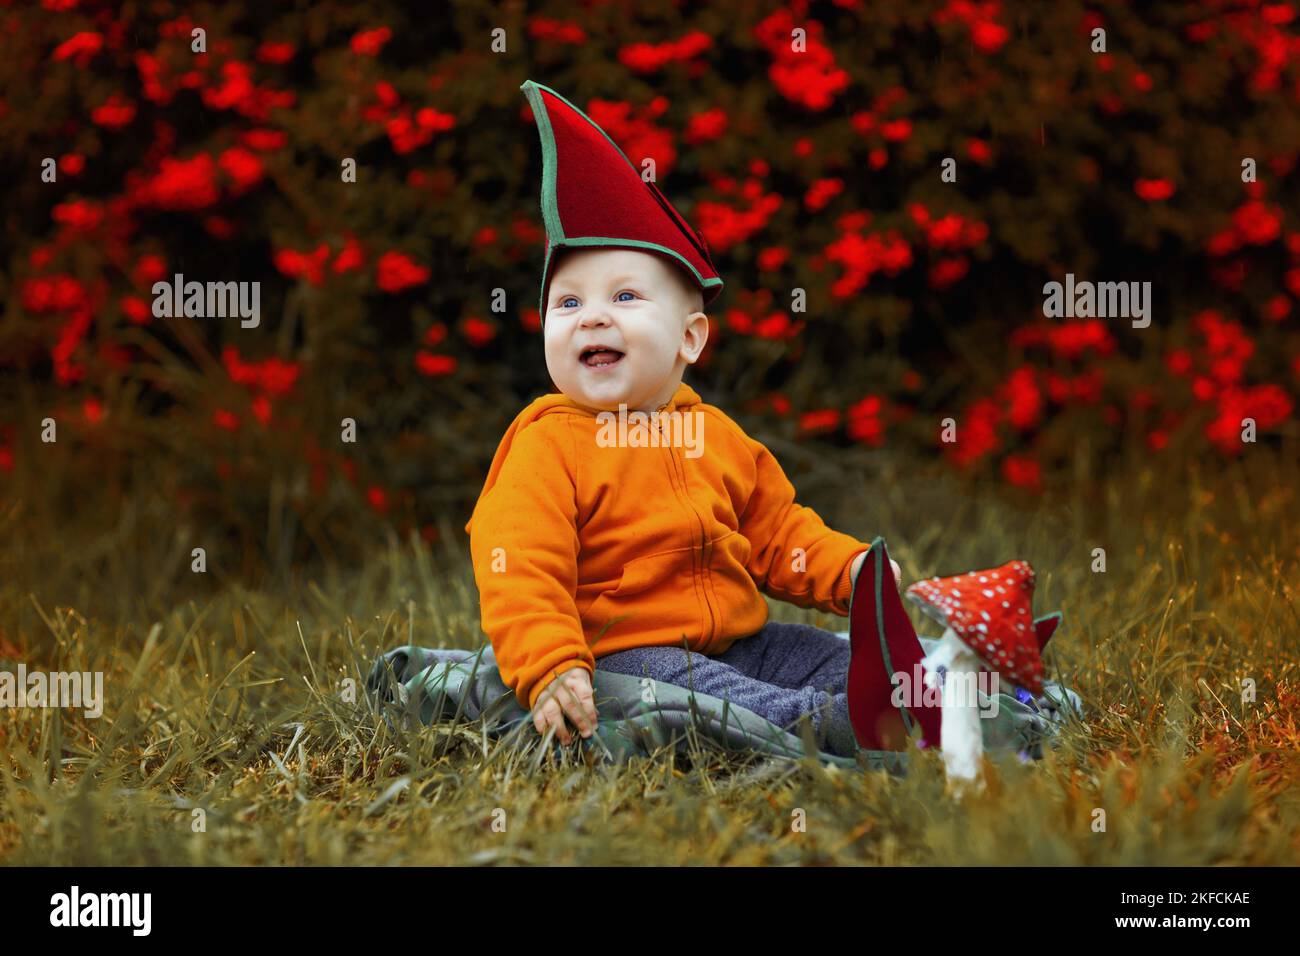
(551, 208)
(616, 243)
(541, 294)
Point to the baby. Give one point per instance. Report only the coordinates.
(590, 554)
(625, 524)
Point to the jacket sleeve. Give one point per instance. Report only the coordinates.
(816, 575)
(524, 549)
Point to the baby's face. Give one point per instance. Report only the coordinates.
(632, 304)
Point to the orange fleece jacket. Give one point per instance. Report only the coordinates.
(580, 549)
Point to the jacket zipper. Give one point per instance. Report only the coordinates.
(703, 550)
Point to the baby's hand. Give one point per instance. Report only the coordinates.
(568, 695)
(857, 566)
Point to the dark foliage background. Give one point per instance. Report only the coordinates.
(815, 170)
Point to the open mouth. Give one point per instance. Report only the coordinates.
(600, 357)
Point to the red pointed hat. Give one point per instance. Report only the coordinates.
(991, 611)
(592, 195)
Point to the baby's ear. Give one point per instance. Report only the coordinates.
(696, 333)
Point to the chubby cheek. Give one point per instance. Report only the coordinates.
(658, 355)
(561, 375)
(556, 353)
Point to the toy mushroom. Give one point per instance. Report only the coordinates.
(988, 625)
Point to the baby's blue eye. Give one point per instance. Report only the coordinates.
(563, 303)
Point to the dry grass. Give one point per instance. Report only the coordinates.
(233, 706)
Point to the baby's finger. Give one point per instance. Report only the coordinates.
(555, 717)
(578, 705)
(589, 708)
(548, 715)
(587, 701)
(571, 700)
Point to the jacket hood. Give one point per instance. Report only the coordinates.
(557, 403)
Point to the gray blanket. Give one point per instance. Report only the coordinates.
(637, 717)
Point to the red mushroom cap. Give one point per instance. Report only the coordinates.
(991, 612)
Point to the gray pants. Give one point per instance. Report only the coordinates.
(782, 673)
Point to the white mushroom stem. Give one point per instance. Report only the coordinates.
(963, 742)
